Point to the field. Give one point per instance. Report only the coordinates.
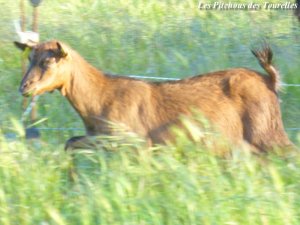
(186, 183)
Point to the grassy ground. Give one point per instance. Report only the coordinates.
(129, 184)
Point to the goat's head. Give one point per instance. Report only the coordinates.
(48, 68)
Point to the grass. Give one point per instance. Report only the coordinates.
(184, 183)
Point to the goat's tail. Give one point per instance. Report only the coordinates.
(264, 57)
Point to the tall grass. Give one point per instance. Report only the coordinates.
(181, 184)
(185, 183)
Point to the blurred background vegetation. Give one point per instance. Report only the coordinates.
(182, 184)
(152, 38)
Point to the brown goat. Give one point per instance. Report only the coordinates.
(242, 103)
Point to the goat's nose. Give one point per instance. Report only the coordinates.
(24, 86)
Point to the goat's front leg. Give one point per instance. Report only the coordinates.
(73, 143)
(80, 142)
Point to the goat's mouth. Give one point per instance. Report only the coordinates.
(28, 92)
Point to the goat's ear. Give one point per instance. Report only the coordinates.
(22, 46)
(61, 52)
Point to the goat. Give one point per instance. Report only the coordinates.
(242, 103)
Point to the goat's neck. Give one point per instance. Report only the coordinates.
(85, 88)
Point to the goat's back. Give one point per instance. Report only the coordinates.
(240, 102)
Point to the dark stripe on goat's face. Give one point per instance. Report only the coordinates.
(36, 70)
(33, 75)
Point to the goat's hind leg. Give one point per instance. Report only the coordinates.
(263, 127)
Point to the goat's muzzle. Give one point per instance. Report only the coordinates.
(26, 88)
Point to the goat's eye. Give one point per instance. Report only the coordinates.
(46, 62)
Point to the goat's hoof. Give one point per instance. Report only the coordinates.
(71, 143)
